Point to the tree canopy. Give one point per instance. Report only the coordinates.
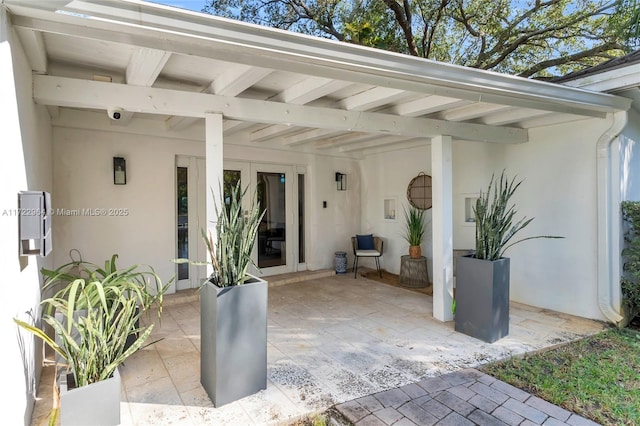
(530, 38)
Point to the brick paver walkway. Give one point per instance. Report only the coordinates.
(466, 397)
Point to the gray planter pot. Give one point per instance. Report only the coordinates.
(482, 298)
(95, 404)
(233, 329)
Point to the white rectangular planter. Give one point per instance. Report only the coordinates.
(233, 329)
(95, 404)
(482, 298)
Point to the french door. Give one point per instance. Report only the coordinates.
(280, 189)
(277, 187)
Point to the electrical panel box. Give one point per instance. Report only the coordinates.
(34, 219)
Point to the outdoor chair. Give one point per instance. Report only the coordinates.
(366, 246)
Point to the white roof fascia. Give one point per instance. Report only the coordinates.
(187, 32)
(617, 79)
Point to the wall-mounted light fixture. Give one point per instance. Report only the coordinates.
(341, 181)
(119, 171)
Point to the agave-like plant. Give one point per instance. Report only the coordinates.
(494, 219)
(145, 286)
(92, 321)
(230, 253)
(415, 228)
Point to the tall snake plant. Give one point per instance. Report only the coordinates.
(494, 218)
(230, 253)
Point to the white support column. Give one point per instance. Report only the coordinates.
(442, 222)
(215, 171)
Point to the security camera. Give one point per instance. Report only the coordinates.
(115, 113)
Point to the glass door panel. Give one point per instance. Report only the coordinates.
(272, 232)
(182, 184)
(231, 179)
(274, 188)
(301, 222)
(190, 219)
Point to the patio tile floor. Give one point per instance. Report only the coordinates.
(331, 340)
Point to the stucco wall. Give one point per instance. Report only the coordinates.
(25, 164)
(559, 191)
(473, 165)
(83, 178)
(630, 158)
(558, 166)
(332, 227)
(386, 175)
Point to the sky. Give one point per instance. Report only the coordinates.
(195, 5)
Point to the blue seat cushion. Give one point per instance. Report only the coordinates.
(365, 242)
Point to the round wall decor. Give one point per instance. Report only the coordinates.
(419, 192)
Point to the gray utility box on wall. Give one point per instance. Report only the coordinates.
(34, 217)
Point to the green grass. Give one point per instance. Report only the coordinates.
(311, 420)
(597, 377)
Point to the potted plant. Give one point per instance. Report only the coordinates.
(144, 286)
(92, 319)
(233, 306)
(482, 278)
(414, 231)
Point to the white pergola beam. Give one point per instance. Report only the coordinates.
(408, 144)
(237, 79)
(345, 140)
(309, 90)
(469, 112)
(34, 48)
(179, 123)
(69, 92)
(54, 111)
(512, 115)
(371, 98)
(310, 136)
(549, 119)
(232, 82)
(234, 126)
(271, 132)
(145, 65)
(426, 105)
(374, 143)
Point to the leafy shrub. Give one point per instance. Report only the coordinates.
(631, 256)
